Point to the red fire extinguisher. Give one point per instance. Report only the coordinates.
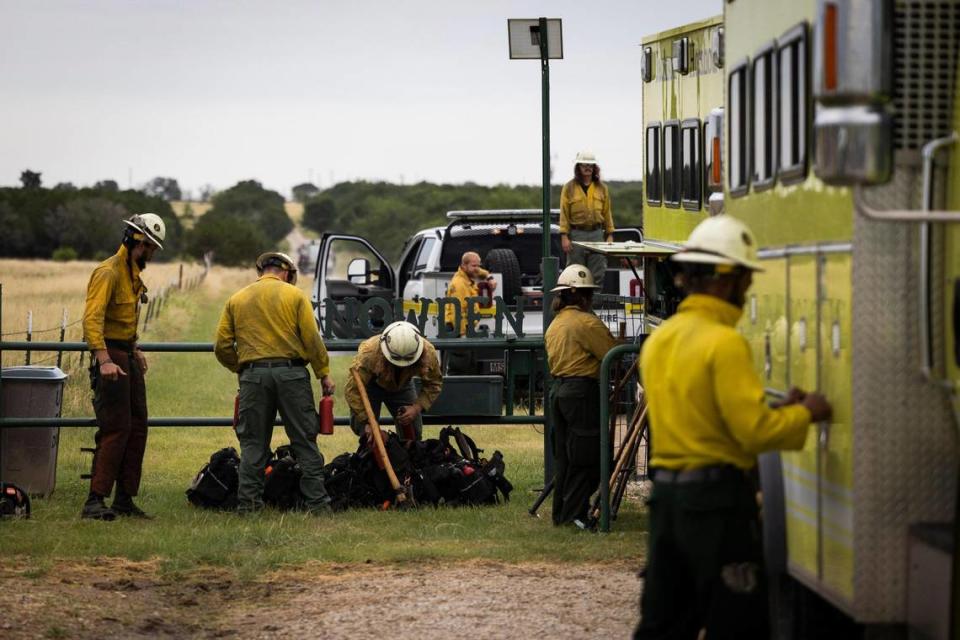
(325, 415)
(236, 411)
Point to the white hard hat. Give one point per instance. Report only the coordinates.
(575, 276)
(275, 258)
(401, 343)
(721, 240)
(151, 225)
(585, 157)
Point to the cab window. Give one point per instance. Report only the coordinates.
(423, 255)
(652, 158)
(691, 172)
(737, 160)
(671, 164)
(764, 90)
(792, 104)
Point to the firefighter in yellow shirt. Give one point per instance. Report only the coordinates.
(463, 286)
(267, 334)
(117, 370)
(708, 422)
(576, 342)
(387, 364)
(586, 215)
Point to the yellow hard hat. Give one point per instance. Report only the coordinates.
(150, 225)
(721, 240)
(575, 276)
(401, 343)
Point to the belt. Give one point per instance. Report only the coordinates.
(587, 227)
(123, 345)
(575, 379)
(272, 363)
(703, 474)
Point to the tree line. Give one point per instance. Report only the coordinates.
(388, 213)
(66, 222)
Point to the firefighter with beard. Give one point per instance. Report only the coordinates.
(114, 295)
(709, 420)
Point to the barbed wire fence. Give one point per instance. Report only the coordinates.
(73, 361)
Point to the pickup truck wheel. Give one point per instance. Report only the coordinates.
(504, 262)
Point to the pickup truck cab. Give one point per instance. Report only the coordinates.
(510, 246)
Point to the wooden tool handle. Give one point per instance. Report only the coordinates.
(377, 437)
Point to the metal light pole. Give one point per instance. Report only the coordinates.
(543, 39)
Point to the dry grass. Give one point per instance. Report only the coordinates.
(48, 289)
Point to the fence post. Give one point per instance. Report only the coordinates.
(29, 332)
(180, 281)
(63, 332)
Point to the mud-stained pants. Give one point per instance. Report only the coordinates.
(704, 562)
(121, 439)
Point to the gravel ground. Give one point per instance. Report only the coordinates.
(119, 599)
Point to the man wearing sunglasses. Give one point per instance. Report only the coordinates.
(387, 364)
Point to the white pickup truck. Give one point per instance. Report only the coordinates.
(510, 245)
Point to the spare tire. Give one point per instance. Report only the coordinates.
(504, 262)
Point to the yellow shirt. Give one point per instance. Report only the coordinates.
(269, 319)
(576, 342)
(707, 404)
(113, 301)
(461, 287)
(372, 365)
(579, 209)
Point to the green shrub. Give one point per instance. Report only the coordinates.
(64, 254)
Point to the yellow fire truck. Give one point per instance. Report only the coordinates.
(830, 127)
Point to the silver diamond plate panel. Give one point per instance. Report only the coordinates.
(904, 439)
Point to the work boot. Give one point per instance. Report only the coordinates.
(123, 506)
(95, 509)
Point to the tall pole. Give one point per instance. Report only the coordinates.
(550, 264)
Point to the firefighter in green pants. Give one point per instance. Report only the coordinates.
(576, 342)
(708, 422)
(267, 334)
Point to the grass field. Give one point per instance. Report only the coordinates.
(183, 539)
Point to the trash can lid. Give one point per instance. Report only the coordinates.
(52, 374)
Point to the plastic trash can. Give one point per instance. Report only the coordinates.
(28, 456)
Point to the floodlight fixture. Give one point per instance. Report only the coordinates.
(524, 36)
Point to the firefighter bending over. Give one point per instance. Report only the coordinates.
(267, 334)
(576, 342)
(117, 369)
(708, 422)
(463, 286)
(387, 364)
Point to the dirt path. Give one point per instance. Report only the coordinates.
(119, 599)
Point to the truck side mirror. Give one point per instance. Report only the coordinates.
(358, 271)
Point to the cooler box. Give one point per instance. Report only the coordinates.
(28, 456)
(468, 396)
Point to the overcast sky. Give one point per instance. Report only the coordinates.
(284, 92)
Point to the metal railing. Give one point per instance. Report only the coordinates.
(605, 461)
(508, 344)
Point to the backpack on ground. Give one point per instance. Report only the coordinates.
(281, 488)
(215, 485)
(14, 501)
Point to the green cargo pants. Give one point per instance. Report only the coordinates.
(704, 562)
(262, 392)
(595, 262)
